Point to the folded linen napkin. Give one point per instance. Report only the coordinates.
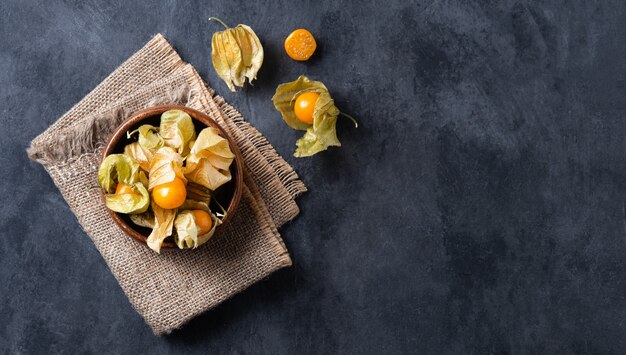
(170, 289)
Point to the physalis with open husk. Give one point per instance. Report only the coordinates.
(306, 105)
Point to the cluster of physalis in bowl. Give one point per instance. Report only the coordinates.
(165, 178)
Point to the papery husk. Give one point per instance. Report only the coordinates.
(322, 133)
(140, 155)
(163, 224)
(117, 168)
(236, 54)
(198, 192)
(209, 160)
(145, 219)
(187, 231)
(177, 130)
(129, 203)
(166, 165)
(149, 137)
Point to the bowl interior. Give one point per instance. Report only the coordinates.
(227, 195)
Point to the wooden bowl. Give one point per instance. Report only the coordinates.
(229, 193)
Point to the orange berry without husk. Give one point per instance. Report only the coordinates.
(203, 221)
(300, 45)
(305, 106)
(170, 195)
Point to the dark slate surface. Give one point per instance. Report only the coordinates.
(479, 208)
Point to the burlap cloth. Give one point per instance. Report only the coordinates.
(170, 289)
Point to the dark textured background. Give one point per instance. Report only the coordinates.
(479, 208)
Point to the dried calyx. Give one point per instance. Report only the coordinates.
(237, 54)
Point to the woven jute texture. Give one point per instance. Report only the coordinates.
(171, 288)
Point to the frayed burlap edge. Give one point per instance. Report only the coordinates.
(83, 137)
(164, 60)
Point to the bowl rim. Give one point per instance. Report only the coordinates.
(149, 112)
